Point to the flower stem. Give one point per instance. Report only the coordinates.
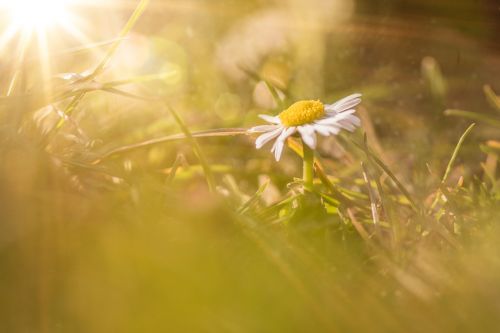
(308, 167)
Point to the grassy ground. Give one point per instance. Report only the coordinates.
(133, 200)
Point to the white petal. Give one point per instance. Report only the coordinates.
(350, 123)
(278, 149)
(322, 129)
(345, 103)
(270, 119)
(326, 130)
(308, 135)
(262, 128)
(334, 113)
(266, 137)
(332, 120)
(280, 142)
(355, 120)
(347, 126)
(346, 120)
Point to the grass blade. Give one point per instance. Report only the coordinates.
(373, 204)
(168, 138)
(272, 89)
(455, 152)
(493, 98)
(451, 162)
(196, 148)
(100, 67)
(243, 208)
(474, 116)
(389, 173)
(139, 10)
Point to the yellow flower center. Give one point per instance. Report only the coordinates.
(302, 112)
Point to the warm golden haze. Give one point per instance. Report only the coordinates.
(249, 166)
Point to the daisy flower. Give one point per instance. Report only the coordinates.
(308, 118)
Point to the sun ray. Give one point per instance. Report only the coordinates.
(45, 64)
(30, 23)
(19, 62)
(7, 36)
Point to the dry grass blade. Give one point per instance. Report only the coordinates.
(169, 138)
(173, 170)
(455, 152)
(79, 49)
(389, 173)
(140, 79)
(359, 227)
(139, 10)
(253, 199)
(196, 148)
(129, 95)
(373, 204)
(493, 98)
(100, 67)
(272, 89)
(451, 162)
(474, 116)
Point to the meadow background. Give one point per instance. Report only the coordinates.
(111, 220)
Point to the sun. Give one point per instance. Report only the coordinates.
(37, 14)
(25, 19)
(29, 26)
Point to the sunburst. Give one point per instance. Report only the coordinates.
(30, 23)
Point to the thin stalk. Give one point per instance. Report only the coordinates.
(150, 142)
(141, 7)
(373, 199)
(308, 167)
(450, 164)
(196, 148)
(139, 10)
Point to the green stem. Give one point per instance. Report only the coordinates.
(308, 167)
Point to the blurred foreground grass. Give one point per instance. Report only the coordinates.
(107, 222)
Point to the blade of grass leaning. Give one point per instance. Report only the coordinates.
(32, 101)
(272, 89)
(13, 82)
(173, 170)
(196, 148)
(139, 10)
(389, 173)
(318, 168)
(140, 79)
(385, 202)
(110, 87)
(77, 50)
(456, 150)
(168, 138)
(130, 95)
(320, 172)
(107, 57)
(373, 204)
(359, 227)
(451, 162)
(493, 98)
(19, 70)
(243, 208)
(474, 116)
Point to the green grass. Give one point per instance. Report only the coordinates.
(148, 209)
